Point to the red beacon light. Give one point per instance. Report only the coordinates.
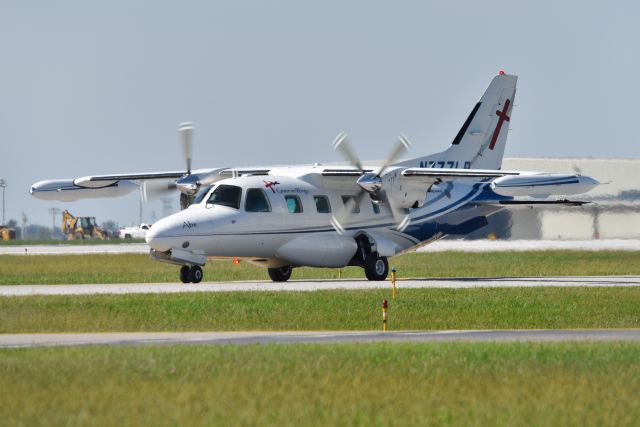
(501, 72)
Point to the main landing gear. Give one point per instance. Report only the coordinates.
(376, 267)
(190, 274)
(281, 274)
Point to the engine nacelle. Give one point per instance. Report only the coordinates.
(404, 193)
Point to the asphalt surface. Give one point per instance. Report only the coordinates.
(318, 285)
(217, 338)
(438, 246)
(122, 248)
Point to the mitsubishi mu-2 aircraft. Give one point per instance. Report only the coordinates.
(334, 216)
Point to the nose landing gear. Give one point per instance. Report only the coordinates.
(190, 274)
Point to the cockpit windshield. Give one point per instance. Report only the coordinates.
(201, 194)
(225, 195)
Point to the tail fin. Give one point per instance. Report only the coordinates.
(481, 141)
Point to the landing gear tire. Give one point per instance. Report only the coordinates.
(196, 274)
(281, 274)
(185, 274)
(190, 274)
(376, 267)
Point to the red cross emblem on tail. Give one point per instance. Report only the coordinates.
(503, 116)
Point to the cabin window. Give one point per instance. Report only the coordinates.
(351, 200)
(293, 204)
(226, 195)
(257, 201)
(376, 208)
(322, 204)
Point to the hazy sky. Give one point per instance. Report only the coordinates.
(100, 87)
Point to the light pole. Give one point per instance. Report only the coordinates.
(24, 226)
(53, 212)
(3, 185)
(167, 206)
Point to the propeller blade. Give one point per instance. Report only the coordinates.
(186, 137)
(370, 183)
(342, 145)
(400, 218)
(342, 218)
(143, 192)
(153, 190)
(402, 144)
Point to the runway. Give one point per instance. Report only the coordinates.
(62, 249)
(439, 246)
(218, 338)
(319, 285)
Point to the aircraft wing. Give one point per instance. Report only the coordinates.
(102, 180)
(503, 183)
(114, 185)
(443, 174)
(344, 172)
(510, 183)
(427, 174)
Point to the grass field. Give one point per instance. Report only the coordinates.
(480, 308)
(554, 384)
(137, 268)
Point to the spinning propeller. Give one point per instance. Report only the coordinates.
(188, 184)
(370, 183)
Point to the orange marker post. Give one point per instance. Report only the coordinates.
(385, 306)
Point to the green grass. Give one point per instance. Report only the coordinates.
(480, 308)
(553, 384)
(134, 268)
(114, 241)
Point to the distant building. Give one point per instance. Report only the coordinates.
(614, 213)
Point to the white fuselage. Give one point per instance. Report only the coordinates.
(283, 236)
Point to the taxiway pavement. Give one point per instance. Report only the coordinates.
(318, 285)
(164, 338)
(439, 246)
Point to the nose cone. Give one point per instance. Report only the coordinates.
(164, 234)
(370, 182)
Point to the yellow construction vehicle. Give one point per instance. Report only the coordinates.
(7, 233)
(82, 227)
